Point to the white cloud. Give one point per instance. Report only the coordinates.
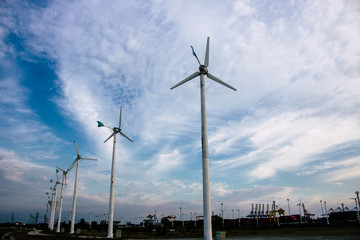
(164, 162)
(283, 142)
(21, 179)
(295, 65)
(348, 169)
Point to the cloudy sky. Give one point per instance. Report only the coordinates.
(290, 131)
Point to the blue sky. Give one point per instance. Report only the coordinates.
(290, 131)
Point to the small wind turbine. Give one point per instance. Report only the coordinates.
(205, 152)
(53, 202)
(115, 130)
(50, 203)
(76, 161)
(61, 196)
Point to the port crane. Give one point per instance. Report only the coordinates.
(306, 213)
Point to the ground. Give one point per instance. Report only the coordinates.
(291, 231)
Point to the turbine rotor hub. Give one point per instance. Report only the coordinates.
(203, 69)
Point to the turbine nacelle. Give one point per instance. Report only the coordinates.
(203, 69)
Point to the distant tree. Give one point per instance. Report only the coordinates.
(94, 225)
(149, 223)
(166, 221)
(82, 224)
(216, 221)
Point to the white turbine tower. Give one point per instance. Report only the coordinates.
(50, 202)
(76, 161)
(61, 196)
(115, 130)
(53, 203)
(205, 152)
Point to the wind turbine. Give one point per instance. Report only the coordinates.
(205, 152)
(76, 161)
(53, 203)
(50, 202)
(115, 130)
(61, 195)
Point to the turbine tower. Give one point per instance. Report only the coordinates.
(76, 161)
(205, 152)
(115, 130)
(53, 203)
(61, 196)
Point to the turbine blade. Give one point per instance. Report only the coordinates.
(186, 79)
(212, 77)
(207, 53)
(77, 148)
(100, 124)
(120, 118)
(72, 165)
(61, 169)
(108, 127)
(94, 159)
(109, 137)
(123, 134)
(193, 51)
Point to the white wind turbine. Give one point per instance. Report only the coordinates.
(50, 202)
(76, 161)
(205, 152)
(61, 196)
(115, 130)
(53, 203)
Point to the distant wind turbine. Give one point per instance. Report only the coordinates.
(53, 203)
(115, 130)
(61, 196)
(205, 152)
(76, 161)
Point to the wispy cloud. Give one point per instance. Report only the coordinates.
(295, 65)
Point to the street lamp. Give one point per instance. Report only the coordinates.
(180, 213)
(357, 209)
(288, 206)
(222, 213)
(299, 204)
(322, 211)
(327, 217)
(195, 219)
(238, 210)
